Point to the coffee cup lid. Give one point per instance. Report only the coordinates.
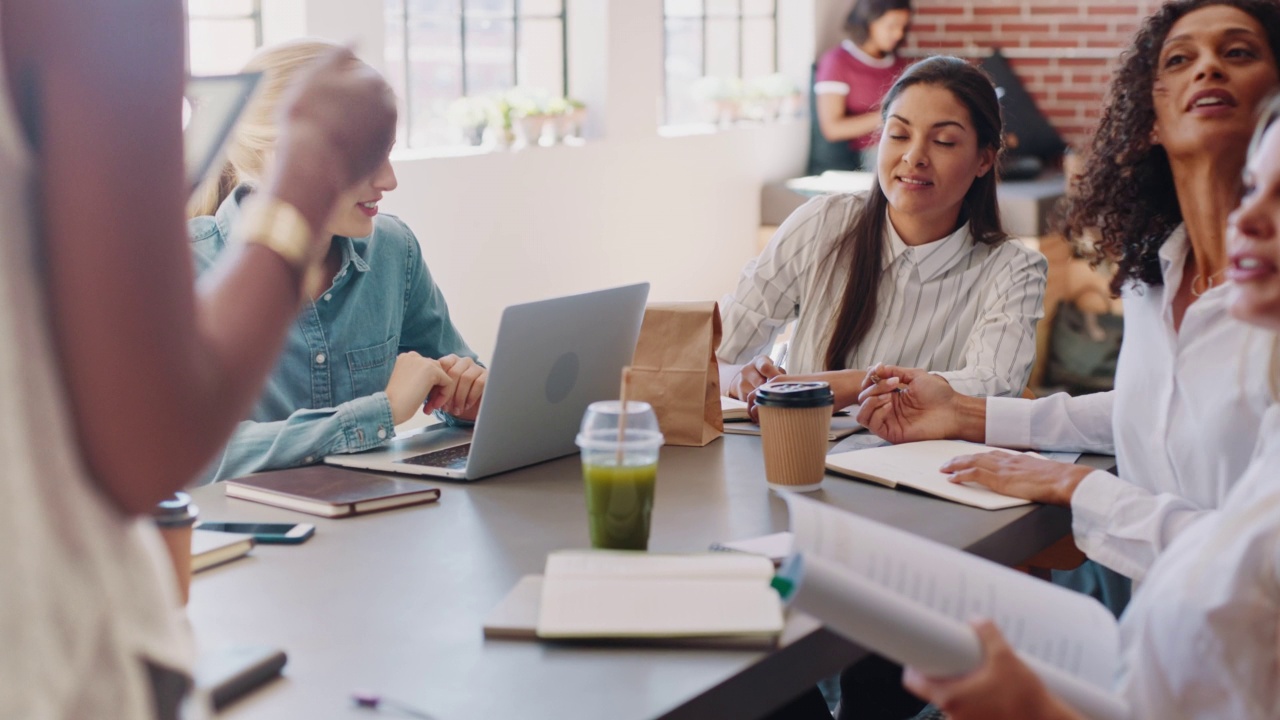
(176, 510)
(794, 394)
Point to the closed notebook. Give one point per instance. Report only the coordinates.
(209, 548)
(516, 618)
(627, 595)
(915, 465)
(330, 491)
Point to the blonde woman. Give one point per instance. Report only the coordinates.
(374, 341)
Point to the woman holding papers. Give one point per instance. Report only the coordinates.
(120, 378)
(1199, 640)
(917, 271)
(374, 341)
(1191, 386)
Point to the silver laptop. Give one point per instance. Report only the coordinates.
(552, 359)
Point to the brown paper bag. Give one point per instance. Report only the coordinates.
(675, 370)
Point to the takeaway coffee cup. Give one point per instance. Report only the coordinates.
(175, 518)
(795, 418)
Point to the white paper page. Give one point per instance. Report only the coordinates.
(775, 547)
(910, 633)
(916, 465)
(732, 408)
(1065, 629)
(841, 426)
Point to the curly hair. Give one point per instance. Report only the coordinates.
(1126, 192)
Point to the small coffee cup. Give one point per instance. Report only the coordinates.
(795, 419)
(175, 518)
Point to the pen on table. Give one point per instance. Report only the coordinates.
(373, 701)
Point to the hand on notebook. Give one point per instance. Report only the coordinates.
(909, 404)
(1002, 687)
(412, 379)
(751, 376)
(468, 378)
(1020, 475)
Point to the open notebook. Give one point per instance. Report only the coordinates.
(915, 465)
(738, 422)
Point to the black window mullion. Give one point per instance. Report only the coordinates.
(257, 23)
(564, 46)
(462, 30)
(515, 42)
(742, 36)
(703, 20)
(408, 73)
(775, 35)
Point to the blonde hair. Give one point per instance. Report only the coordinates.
(255, 136)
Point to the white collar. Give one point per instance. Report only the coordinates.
(861, 56)
(931, 259)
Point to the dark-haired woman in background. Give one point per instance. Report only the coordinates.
(852, 77)
(917, 271)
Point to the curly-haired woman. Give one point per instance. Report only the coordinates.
(1163, 176)
(1199, 640)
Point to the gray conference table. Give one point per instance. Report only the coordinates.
(393, 602)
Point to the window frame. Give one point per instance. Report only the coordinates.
(515, 17)
(740, 17)
(254, 14)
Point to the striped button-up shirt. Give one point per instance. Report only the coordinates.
(963, 309)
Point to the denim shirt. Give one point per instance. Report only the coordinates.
(326, 394)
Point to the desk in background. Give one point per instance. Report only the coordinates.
(1026, 206)
(393, 602)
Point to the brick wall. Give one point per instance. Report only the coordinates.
(1063, 51)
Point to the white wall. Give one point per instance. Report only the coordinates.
(679, 212)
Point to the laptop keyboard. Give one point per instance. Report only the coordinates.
(454, 458)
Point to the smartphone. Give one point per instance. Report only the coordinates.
(290, 533)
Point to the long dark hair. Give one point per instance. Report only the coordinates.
(865, 12)
(1126, 192)
(860, 251)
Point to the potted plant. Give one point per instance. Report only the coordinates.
(776, 95)
(528, 116)
(721, 98)
(497, 131)
(468, 117)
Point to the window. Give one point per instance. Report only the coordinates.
(440, 50)
(222, 34)
(726, 41)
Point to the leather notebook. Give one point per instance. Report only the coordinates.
(330, 491)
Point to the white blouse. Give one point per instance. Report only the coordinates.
(964, 309)
(1183, 421)
(1202, 637)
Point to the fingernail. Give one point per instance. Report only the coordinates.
(893, 381)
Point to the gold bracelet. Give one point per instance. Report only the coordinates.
(278, 226)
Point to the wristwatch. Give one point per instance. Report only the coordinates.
(277, 225)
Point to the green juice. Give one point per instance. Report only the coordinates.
(619, 503)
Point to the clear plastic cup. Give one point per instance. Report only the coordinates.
(619, 472)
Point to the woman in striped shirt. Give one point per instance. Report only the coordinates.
(917, 272)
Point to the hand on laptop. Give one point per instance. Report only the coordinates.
(462, 398)
(412, 379)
